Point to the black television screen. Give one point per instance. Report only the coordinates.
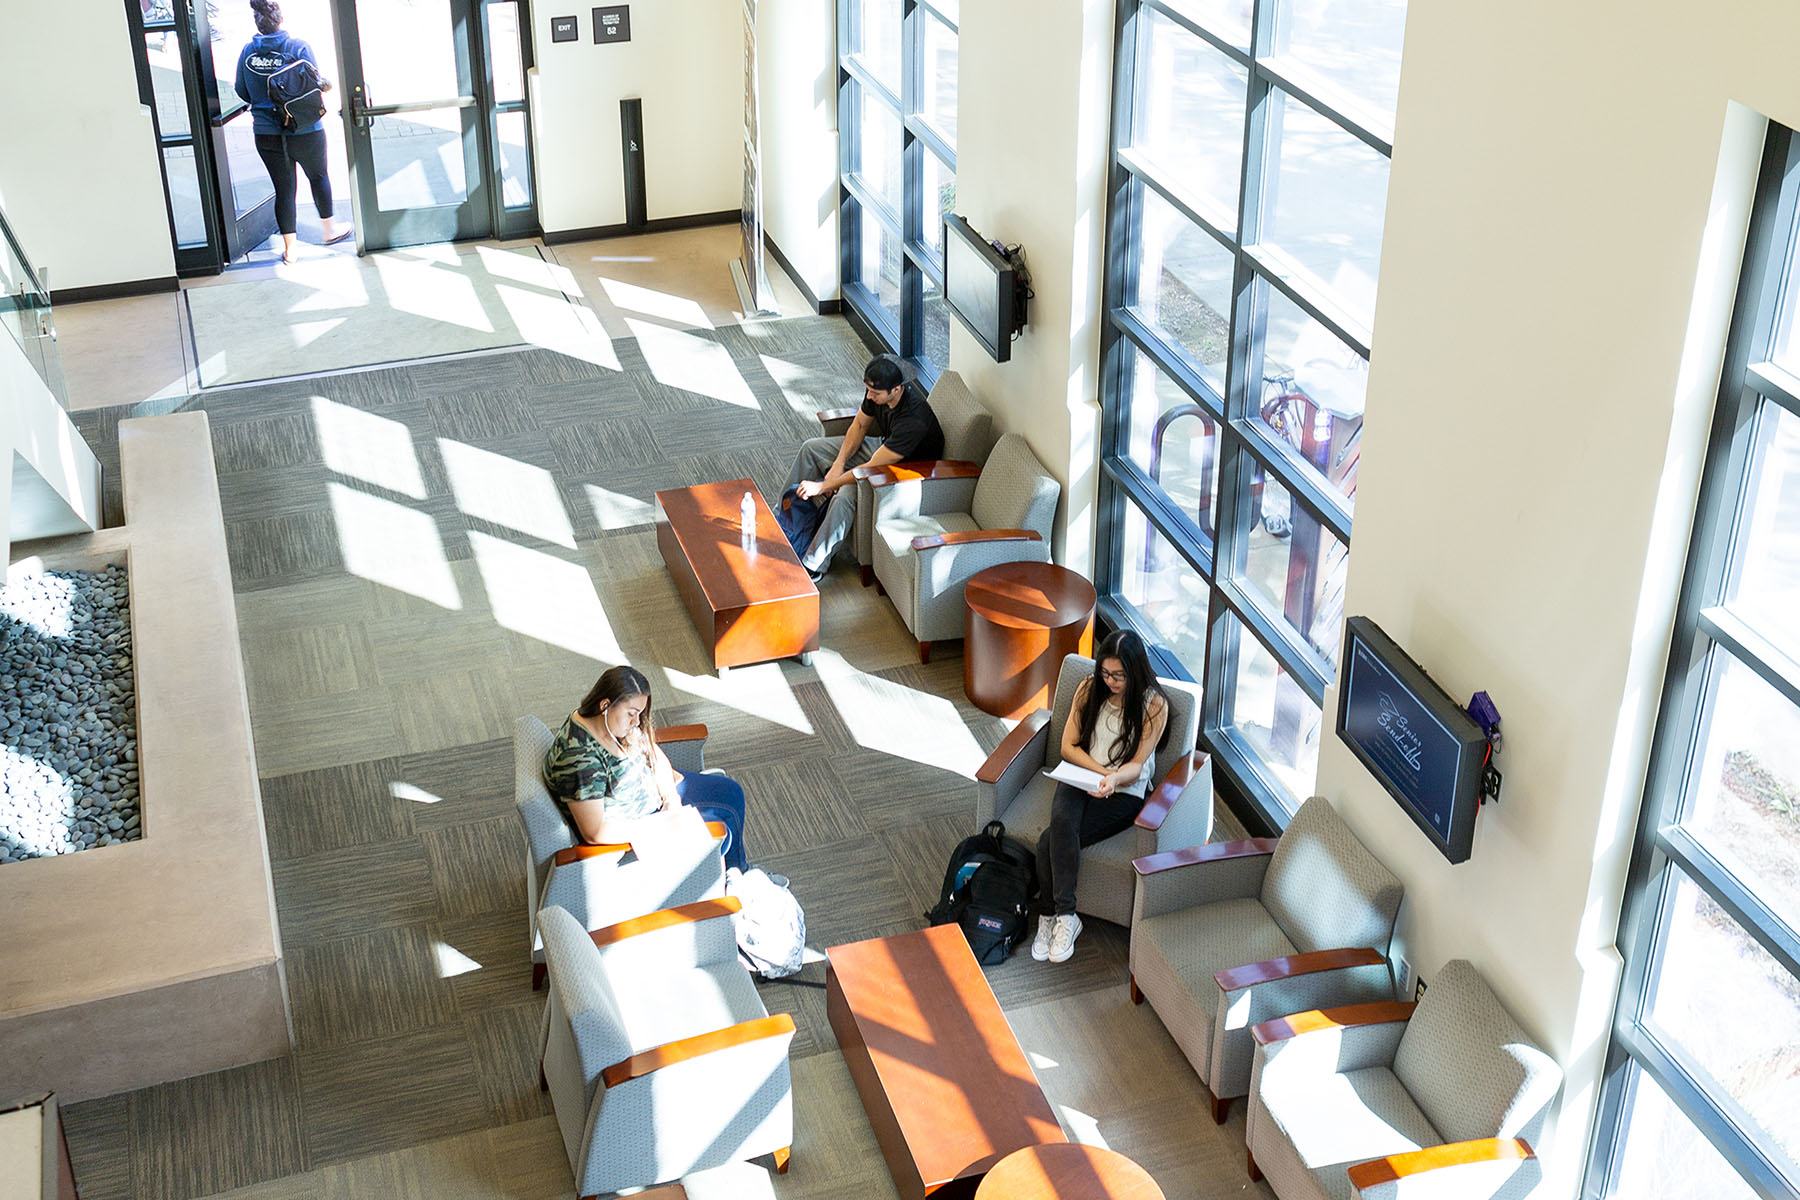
(1423, 747)
(979, 284)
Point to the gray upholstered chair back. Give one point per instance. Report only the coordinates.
(968, 427)
(1325, 889)
(1468, 1065)
(1184, 713)
(1014, 491)
(545, 829)
(581, 992)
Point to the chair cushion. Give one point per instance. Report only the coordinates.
(1325, 888)
(1174, 957)
(1334, 1121)
(1469, 1065)
(896, 533)
(1029, 813)
(684, 1003)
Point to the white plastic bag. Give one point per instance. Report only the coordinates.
(770, 928)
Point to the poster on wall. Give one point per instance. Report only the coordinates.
(747, 269)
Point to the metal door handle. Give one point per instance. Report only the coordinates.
(359, 111)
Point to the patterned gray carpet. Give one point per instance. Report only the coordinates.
(421, 553)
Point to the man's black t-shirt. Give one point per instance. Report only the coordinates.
(910, 429)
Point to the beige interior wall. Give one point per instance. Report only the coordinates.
(797, 84)
(1565, 220)
(79, 177)
(685, 61)
(1034, 83)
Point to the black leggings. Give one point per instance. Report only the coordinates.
(280, 153)
(1076, 820)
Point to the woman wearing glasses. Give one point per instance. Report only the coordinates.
(1115, 725)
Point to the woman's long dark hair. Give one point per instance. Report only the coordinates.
(621, 683)
(1140, 681)
(268, 15)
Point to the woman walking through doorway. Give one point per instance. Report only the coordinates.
(282, 149)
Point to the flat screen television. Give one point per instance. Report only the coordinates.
(1418, 742)
(981, 286)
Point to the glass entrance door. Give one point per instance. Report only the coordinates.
(417, 138)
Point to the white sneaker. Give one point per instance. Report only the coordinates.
(1062, 938)
(1040, 945)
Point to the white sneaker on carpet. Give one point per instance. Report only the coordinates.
(1062, 938)
(1040, 945)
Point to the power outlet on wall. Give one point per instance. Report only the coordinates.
(1418, 990)
(1402, 973)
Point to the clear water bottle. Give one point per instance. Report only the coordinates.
(747, 520)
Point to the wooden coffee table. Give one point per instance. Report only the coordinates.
(946, 1086)
(1022, 618)
(1067, 1172)
(749, 605)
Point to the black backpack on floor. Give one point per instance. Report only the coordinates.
(988, 889)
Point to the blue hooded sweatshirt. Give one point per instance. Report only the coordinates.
(263, 56)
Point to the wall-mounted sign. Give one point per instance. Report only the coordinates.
(612, 23)
(563, 29)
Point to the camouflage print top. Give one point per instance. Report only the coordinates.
(579, 767)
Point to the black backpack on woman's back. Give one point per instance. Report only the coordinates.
(988, 889)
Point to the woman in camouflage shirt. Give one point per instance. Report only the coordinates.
(607, 773)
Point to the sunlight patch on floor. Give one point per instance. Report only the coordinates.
(615, 510)
(898, 720)
(805, 389)
(437, 293)
(541, 596)
(527, 267)
(451, 961)
(693, 364)
(505, 491)
(364, 446)
(549, 320)
(653, 303)
(393, 545)
(759, 691)
(305, 333)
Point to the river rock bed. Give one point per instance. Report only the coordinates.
(68, 714)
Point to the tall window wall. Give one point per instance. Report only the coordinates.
(897, 173)
(1703, 1087)
(1249, 182)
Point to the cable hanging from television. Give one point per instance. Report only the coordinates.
(1015, 254)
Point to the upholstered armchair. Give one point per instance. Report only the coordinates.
(602, 884)
(659, 1056)
(968, 437)
(1177, 812)
(938, 525)
(1225, 936)
(1390, 1101)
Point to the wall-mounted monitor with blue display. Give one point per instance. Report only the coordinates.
(1426, 751)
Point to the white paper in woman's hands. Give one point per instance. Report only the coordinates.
(658, 834)
(1074, 776)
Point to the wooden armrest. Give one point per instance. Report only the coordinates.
(900, 472)
(1378, 1013)
(639, 1065)
(667, 918)
(965, 537)
(1156, 808)
(600, 849)
(1187, 856)
(828, 415)
(1396, 1167)
(1011, 746)
(1294, 964)
(681, 733)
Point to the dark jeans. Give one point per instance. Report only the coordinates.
(281, 153)
(1076, 820)
(719, 798)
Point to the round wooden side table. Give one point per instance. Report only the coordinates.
(1067, 1172)
(1021, 619)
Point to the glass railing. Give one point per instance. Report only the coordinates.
(25, 311)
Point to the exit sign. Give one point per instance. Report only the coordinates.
(613, 23)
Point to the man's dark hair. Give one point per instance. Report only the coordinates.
(883, 373)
